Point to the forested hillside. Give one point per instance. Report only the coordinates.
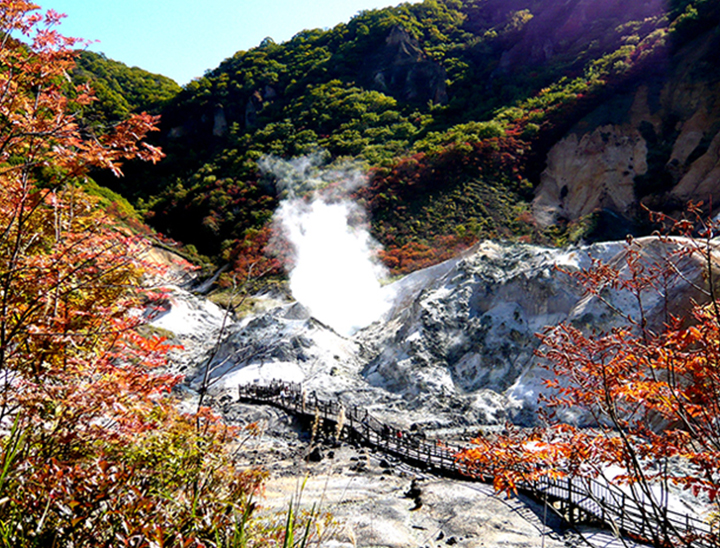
(455, 109)
(121, 90)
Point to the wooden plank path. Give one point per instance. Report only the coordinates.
(576, 500)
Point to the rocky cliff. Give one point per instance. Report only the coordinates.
(656, 144)
(401, 69)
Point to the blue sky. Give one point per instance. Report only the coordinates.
(184, 38)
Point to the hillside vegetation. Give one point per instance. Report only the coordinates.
(451, 106)
(121, 90)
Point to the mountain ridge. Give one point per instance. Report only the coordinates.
(459, 110)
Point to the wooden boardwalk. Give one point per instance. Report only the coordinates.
(576, 500)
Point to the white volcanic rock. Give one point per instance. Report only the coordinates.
(469, 335)
(457, 347)
(186, 315)
(189, 321)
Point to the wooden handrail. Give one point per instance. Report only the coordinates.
(603, 503)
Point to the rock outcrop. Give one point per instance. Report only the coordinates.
(591, 171)
(220, 124)
(658, 145)
(400, 68)
(469, 335)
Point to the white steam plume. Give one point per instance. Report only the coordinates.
(333, 272)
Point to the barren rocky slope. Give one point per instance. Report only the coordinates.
(454, 352)
(455, 349)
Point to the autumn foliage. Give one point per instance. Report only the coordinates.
(93, 451)
(650, 389)
(466, 190)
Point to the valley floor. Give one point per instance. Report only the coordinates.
(371, 498)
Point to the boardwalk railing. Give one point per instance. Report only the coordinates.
(575, 499)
